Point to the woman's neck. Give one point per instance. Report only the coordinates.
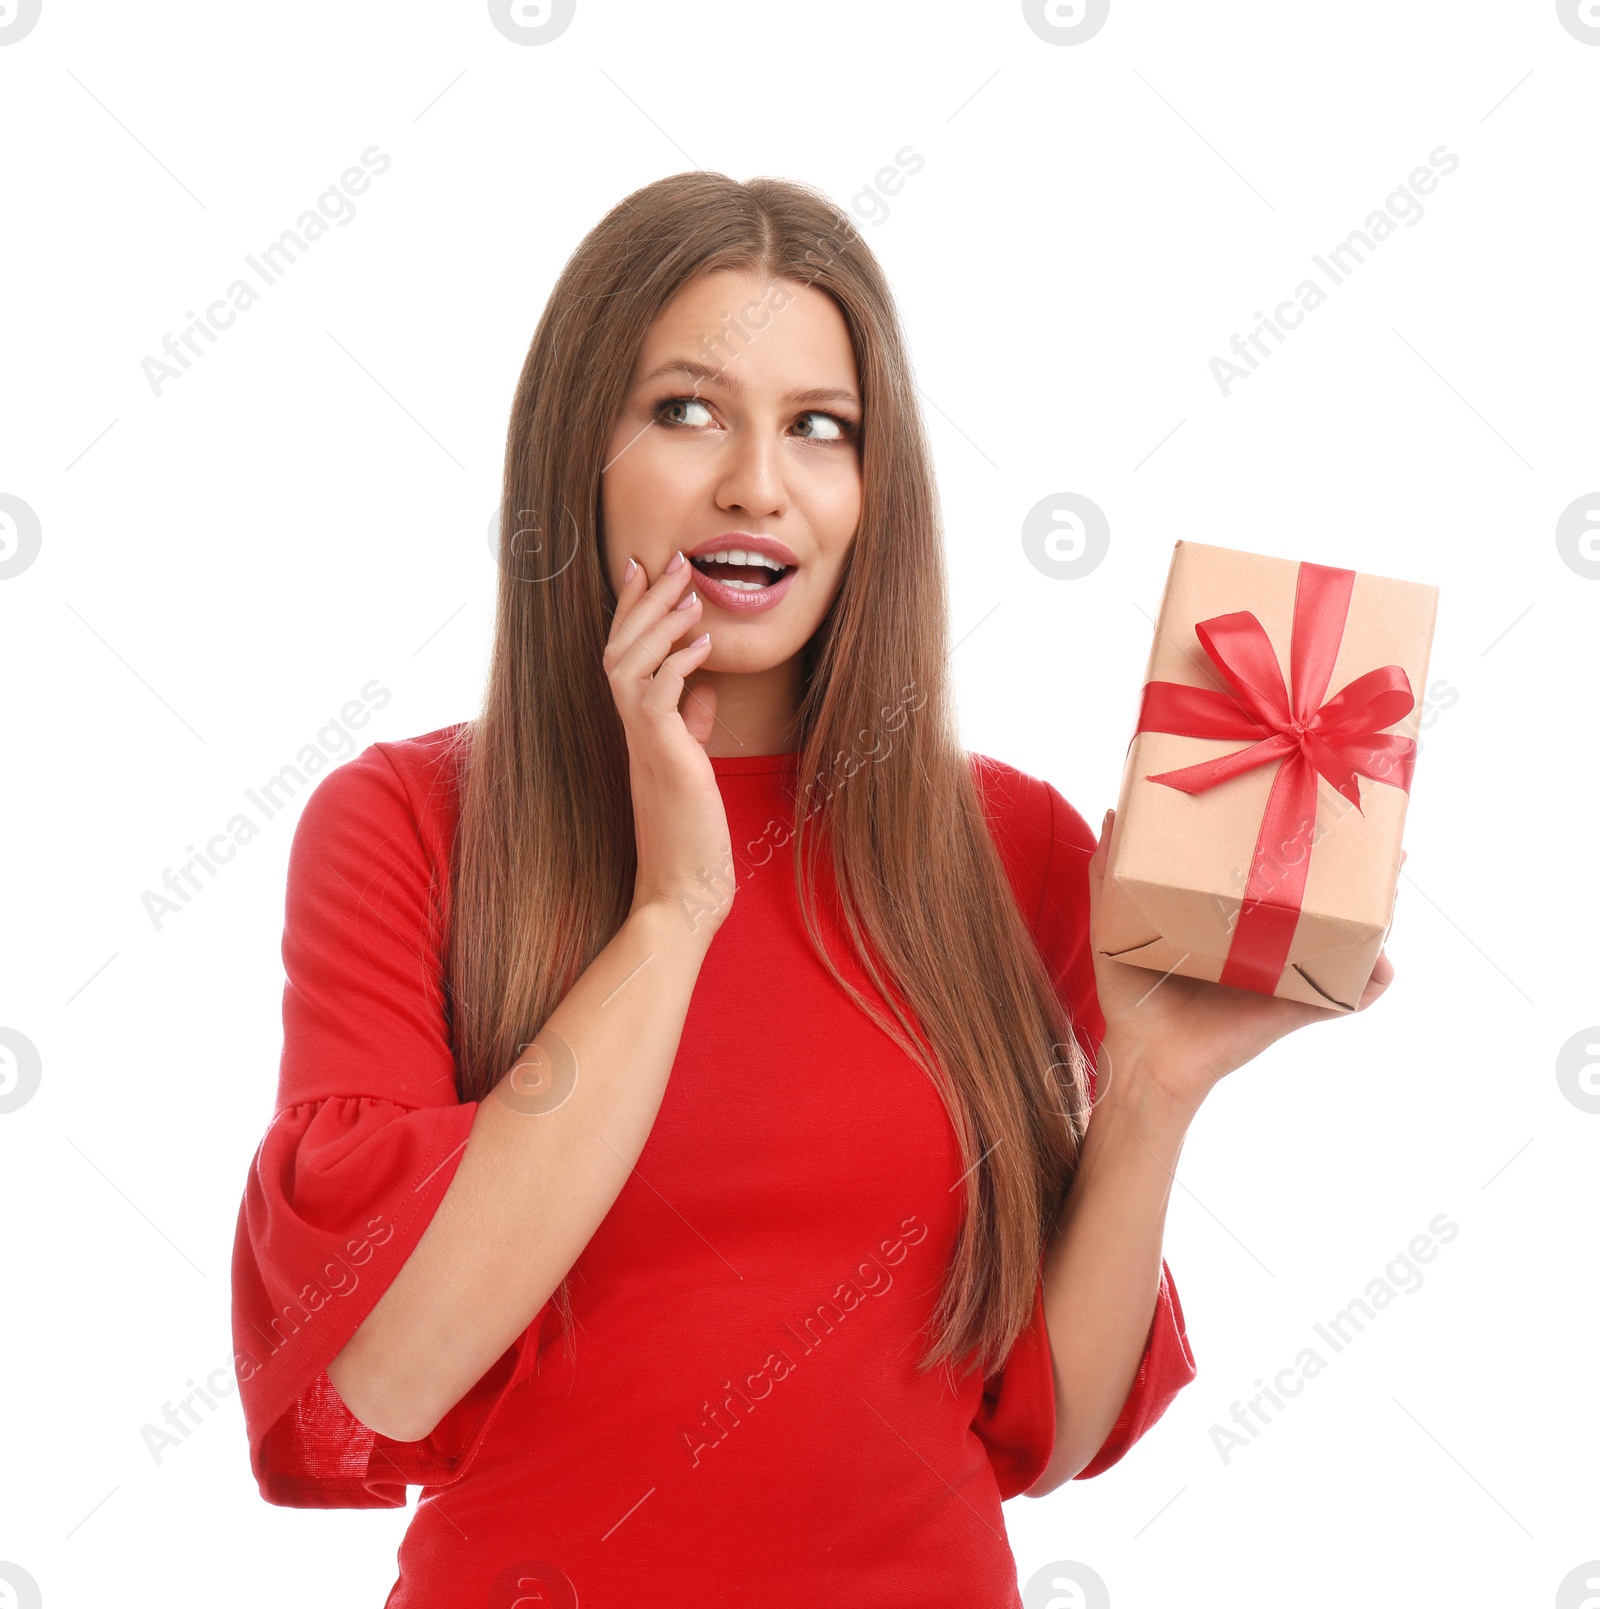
(756, 712)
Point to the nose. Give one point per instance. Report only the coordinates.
(751, 474)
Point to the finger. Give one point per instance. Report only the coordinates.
(639, 592)
(665, 689)
(1382, 976)
(635, 583)
(639, 643)
(1102, 844)
(700, 710)
(1097, 873)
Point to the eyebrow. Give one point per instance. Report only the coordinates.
(731, 382)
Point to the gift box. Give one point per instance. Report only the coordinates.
(1258, 827)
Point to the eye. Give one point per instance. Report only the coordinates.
(660, 411)
(836, 429)
(842, 429)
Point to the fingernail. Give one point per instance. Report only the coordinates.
(676, 563)
(685, 602)
(627, 575)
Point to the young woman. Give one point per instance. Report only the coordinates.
(683, 1166)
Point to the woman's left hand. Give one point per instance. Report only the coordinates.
(1182, 1035)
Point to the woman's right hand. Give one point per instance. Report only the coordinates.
(685, 854)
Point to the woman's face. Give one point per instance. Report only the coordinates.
(741, 421)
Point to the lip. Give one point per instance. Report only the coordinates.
(729, 598)
(768, 545)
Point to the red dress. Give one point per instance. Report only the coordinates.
(743, 1422)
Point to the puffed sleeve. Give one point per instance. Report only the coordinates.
(367, 1134)
(1017, 1418)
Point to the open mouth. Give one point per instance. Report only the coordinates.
(743, 572)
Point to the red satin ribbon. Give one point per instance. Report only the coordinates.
(1336, 739)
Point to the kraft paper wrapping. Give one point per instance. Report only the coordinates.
(1178, 862)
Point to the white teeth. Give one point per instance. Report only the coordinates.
(739, 556)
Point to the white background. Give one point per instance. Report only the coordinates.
(224, 566)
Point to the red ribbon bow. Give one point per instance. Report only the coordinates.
(1336, 739)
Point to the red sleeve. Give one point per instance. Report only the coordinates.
(1061, 931)
(1016, 1420)
(1019, 1405)
(367, 1134)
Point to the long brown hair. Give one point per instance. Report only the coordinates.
(545, 857)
